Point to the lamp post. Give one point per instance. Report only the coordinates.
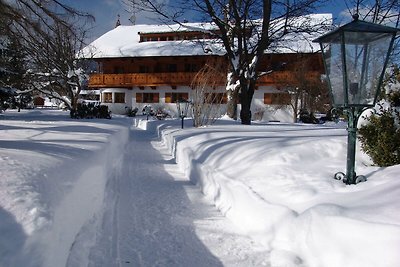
(355, 57)
(183, 108)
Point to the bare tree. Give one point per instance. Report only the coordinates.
(206, 101)
(246, 29)
(59, 70)
(52, 35)
(376, 11)
(307, 92)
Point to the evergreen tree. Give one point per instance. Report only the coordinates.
(12, 79)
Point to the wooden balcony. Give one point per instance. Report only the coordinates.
(179, 78)
(140, 79)
(285, 78)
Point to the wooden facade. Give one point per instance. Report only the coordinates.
(180, 78)
(177, 71)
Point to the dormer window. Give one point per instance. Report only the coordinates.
(169, 36)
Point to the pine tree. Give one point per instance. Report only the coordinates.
(13, 74)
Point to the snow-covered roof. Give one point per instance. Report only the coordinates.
(124, 41)
(299, 41)
(196, 26)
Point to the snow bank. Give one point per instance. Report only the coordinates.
(275, 183)
(54, 171)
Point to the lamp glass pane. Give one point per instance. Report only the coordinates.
(365, 58)
(334, 71)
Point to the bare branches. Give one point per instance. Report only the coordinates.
(51, 34)
(376, 11)
(206, 100)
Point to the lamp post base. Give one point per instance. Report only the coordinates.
(353, 114)
(341, 176)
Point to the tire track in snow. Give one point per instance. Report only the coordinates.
(158, 218)
(150, 202)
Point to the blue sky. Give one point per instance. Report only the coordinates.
(107, 11)
(106, 14)
(104, 11)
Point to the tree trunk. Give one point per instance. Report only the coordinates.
(231, 110)
(295, 107)
(233, 95)
(246, 96)
(74, 102)
(245, 113)
(74, 105)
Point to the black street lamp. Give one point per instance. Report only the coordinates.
(183, 108)
(355, 57)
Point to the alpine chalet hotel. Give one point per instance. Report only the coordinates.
(142, 65)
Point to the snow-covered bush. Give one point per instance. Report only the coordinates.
(90, 111)
(380, 136)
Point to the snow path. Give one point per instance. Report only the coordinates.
(154, 216)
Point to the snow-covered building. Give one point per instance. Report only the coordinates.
(155, 65)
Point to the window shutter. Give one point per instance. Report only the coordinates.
(275, 98)
(139, 98)
(156, 98)
(267, 98)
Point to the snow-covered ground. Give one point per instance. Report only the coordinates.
(127, 192)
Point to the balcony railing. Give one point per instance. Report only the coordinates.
(180, 78)
(140, 79)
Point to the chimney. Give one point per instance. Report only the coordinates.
(118, 22)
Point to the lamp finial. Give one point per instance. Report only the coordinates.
(355, 16)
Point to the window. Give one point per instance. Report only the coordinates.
(158, 68)
(107, 97)
(279, 66)
(143, 69)
(147, 97)
(100, 67)
(174, 97)
(277, 98)
(172, 68)
(90, 96)
(190, 67)
(119, 97)
(118, 69)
